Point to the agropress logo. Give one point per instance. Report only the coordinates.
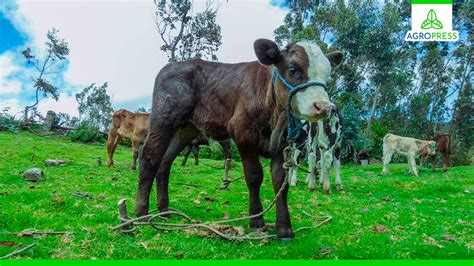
(431, 20)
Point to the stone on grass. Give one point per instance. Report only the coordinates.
(54, 162)
(33, 174)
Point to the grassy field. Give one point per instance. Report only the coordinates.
(378, 217)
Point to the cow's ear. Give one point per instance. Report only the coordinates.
(267, 52)
(335, 58)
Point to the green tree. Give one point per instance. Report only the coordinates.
(186, 35)
(95, 106)
(47, 67)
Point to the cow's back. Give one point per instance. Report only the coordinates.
(131, 124)
(223, 95)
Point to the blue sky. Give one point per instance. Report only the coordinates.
(117, 43)
(10, 36)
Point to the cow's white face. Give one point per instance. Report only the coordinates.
(300, 63)
(313, 102)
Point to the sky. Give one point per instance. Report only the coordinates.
(112, 41)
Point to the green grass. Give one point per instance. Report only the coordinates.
(414, 210)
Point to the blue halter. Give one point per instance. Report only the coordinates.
(294, 125)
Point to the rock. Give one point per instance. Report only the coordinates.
(53, 162)
(33, 174)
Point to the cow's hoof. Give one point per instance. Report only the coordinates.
(285, 234)
(311, 189)
(257, 223)
(109, 164)
(339, 188)
(327, 191)
(133, 168)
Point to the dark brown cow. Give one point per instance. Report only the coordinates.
(443, 147)
(194, 147)
(237, 101)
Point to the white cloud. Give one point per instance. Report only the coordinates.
(65, 104)
(116, 41)
(8, 68)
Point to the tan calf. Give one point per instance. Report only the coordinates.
(408, 147)
(126, 124)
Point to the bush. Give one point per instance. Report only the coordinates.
(214, 151)
(87, 133)
(9, 122)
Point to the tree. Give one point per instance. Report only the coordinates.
(397, 86)
(55, 55)
(95, 106)
(143, 110)
(185, 35)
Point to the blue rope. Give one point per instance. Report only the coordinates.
(294, 125)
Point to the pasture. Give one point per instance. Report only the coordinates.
(395, 216)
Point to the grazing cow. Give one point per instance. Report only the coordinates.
(327, 138)
(443, 147)
(193, 148)
(240, 101)
(126, 124)
(408, 147)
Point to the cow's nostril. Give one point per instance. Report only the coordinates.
(317, 107)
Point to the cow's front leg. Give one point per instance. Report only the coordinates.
(387, 157)
(412, 164)
(253, 177)
(293, 173)
(311, 177)
(337, 168)
(326, 159)
(283, 222)
(422, 161)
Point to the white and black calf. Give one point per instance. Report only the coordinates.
(327, 139)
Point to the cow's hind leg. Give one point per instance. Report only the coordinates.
(228, 160)
(168, 115)
(445, 162)
(187, 152)
(337, 169)
(195, 151)
(112, 141)
(180, 139)
(135, 147)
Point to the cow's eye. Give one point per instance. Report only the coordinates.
(294, 72)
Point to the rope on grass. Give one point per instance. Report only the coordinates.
(213, 227)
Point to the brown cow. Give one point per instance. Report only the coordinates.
(443, 147)
(240, 101)
(134, 126)
(126, 124)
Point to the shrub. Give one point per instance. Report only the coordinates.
(9, 122)
(86, 133)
